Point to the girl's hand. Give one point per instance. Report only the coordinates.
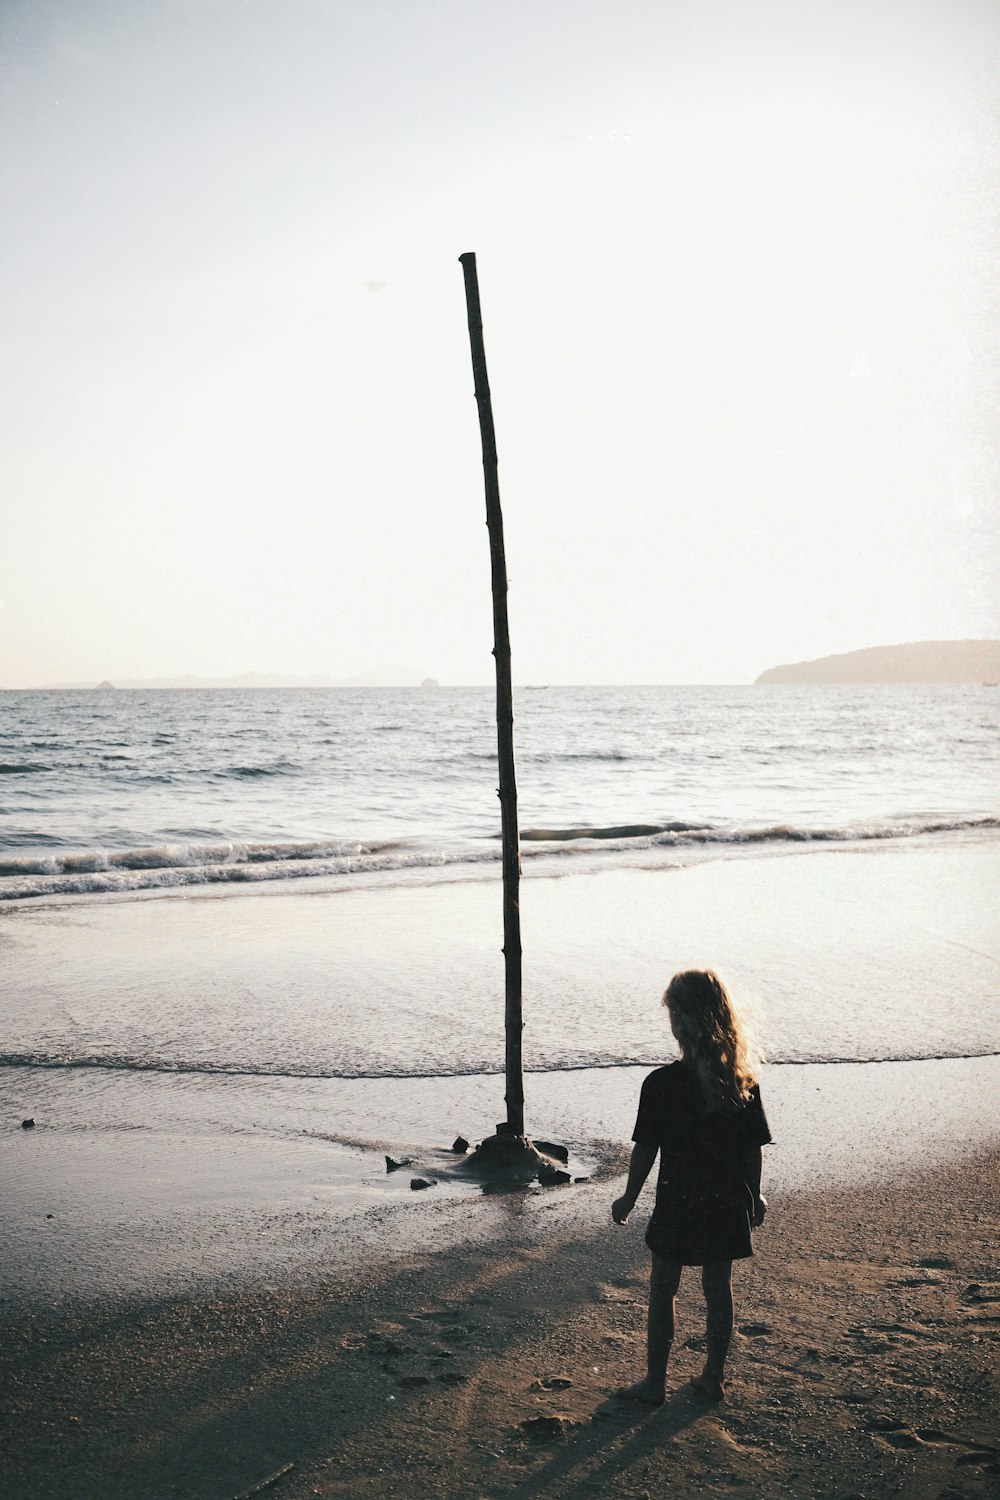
(759, 1210)
(620, 1210)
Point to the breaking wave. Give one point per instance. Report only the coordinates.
(778, 833)
(162, 866)
(121, 1063)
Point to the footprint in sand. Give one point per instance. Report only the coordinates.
(546, 1429)
(755, 1330)
(972, 1454)
(391, 1348)
(982, 1292)
(902, 1439)
(902, 1330)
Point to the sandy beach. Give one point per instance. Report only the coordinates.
(865, 1364)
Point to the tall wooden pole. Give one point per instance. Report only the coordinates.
(505, 712)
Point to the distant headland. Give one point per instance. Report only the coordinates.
(915, 661)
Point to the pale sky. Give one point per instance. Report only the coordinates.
(740, 295)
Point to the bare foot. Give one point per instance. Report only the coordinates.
(709, 1386)
(649, 1391)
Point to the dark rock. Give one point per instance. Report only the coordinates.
(507, 1151)
(581, 1179)
(27, 1124)
(550, 1148)
(552, 1176)
(416, 1183)
(460, 1145)
(392, 1165)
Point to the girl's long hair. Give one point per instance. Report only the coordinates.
(714, 1038)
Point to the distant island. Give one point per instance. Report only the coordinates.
(915, 661)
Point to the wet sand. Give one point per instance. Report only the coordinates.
(139, 1185)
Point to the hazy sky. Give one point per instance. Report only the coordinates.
(740, 293)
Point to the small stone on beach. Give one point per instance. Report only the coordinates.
(460, 1145)
(416, 1183)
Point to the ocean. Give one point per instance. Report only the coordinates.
(120, 792)
(306, 883)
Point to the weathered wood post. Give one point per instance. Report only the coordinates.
(505, 712)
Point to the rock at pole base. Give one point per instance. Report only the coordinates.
(516, 1158)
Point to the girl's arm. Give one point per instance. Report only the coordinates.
(643, 1157)
(751, 1169)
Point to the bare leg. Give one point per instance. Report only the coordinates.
(664, 1279)
(716, 1279)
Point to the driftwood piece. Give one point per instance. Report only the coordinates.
(265, 1484)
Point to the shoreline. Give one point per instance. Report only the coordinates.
(133, 1183)
(865, 1364)
(130, 1184)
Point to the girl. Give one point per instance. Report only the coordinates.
(703, 1115)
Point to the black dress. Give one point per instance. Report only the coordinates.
(704, 1203)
